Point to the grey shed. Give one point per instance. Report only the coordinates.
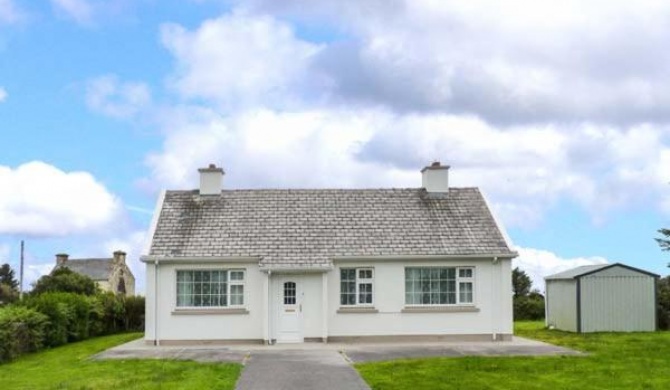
(602, 298)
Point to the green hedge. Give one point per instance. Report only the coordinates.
(55, 318)
(529, 307)
(22, 330)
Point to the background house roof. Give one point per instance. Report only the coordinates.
(307, 228)
(96, 269)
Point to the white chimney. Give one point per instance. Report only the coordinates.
(435, 178)
(211, 180)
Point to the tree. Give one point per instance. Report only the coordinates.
(664, 302)
(9, 286)
(664, 243)
(521, 283)
(7, 277)
(64, 280)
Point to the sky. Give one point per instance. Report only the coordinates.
(558, 111)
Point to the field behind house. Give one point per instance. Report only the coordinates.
(614, 361)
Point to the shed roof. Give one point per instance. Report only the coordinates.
(96, 269)
(584, 270)
(308, 228)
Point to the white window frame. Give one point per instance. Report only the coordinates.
(229, 284)
(359, 281)
(458, 280)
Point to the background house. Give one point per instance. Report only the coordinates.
(110, 274)
(603, 297)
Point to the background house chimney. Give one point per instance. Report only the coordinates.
(61, 258)
(211, 180)
(435, 178)
(119, 257)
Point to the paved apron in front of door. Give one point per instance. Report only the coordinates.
(299, 369)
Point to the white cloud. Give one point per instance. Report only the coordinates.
(278, 111)
(3, 95)
(39, 199)
(81, 11)
(235, 59)
(525, 170)
(107, 95)
(539, 263)
(9, 12)
(519, 63)
(33, 272)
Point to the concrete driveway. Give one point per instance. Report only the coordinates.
(323, 366)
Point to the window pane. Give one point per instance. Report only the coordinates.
(236, 275)
(205, 288)
(465, 295)
(465, 272)
(289, 293)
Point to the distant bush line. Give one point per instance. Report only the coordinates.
(48, 318)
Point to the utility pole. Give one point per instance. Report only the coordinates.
(21, 275)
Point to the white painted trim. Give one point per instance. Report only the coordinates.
(200, 259)
(154, 222)
(324, 306)
(499, 224)
(422, 257)
(156, 281)
(266, 308)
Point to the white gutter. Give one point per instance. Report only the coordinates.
(269, 313)
(426, 257)
(199, 259)
(156, 281)
(147, 249)
(494, 308)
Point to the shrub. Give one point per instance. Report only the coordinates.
(530, 307)
(135, 307)
(64, 280)
(22, 330)
(70, 316)
(113, 312)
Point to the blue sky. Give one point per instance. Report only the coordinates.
(559, 112)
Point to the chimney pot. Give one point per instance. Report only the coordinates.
(61, 258)
(211, 180)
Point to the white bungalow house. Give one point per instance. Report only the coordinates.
(295, 265)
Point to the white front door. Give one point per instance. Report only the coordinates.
(290, 298)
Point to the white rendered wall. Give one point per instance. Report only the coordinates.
(209, 326)
(493, 298)
(149, 303)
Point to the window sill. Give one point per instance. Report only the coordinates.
(440, 309)
(353, 310)
(181, 312)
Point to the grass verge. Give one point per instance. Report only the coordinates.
(69, 367)
(615, 361)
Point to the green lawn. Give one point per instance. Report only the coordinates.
(69, 367)
(615, 361)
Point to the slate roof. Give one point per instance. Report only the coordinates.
(306, 228)
(96, 269)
